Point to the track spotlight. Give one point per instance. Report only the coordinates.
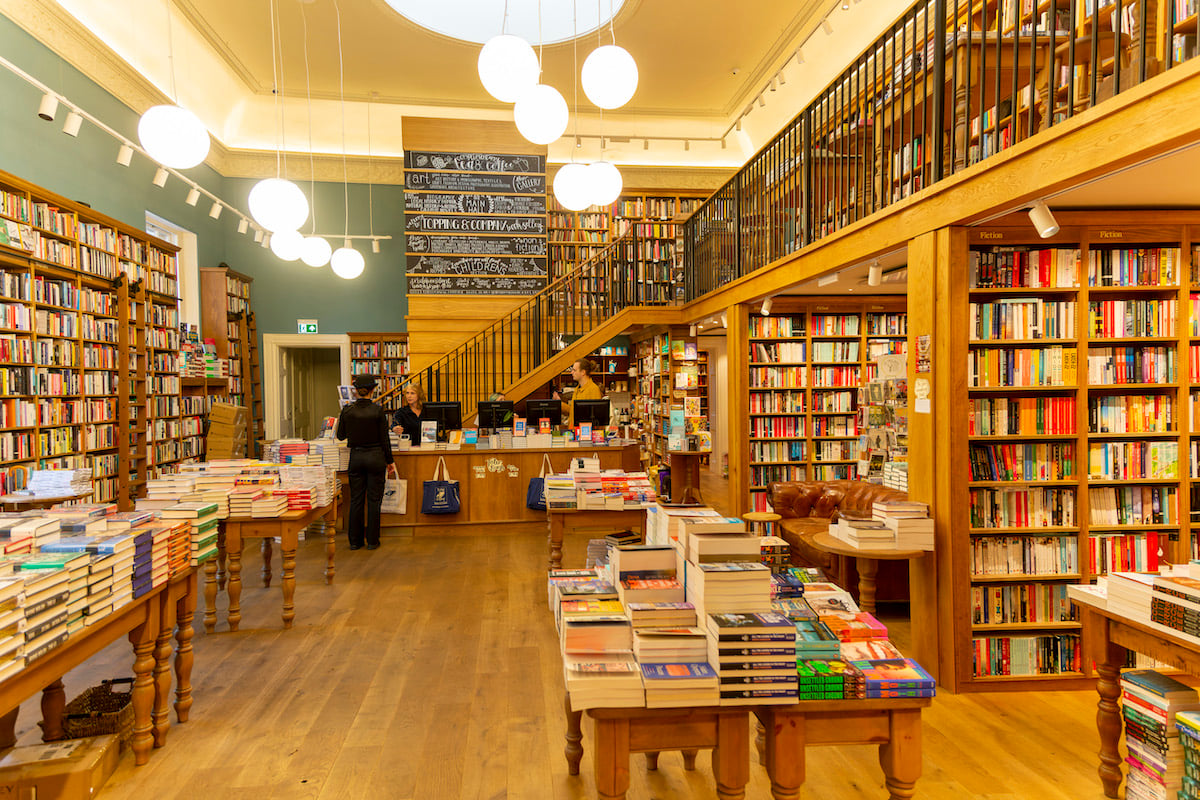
(125, 155)
(243, 225)
(48, 107)
(193, 197)
(724, 144)
(72, 124)
(215, 211)
(761, 103)
(772, 84)
(738, 125)
(1043, 220)
(782, 78)
(766, 306)
(799, 55)
(374, 245)
(645, 144)
(724, 319)
(266, 240)
(258, 235)
(874, 274)
(825, 26)
(845, 5)
(687, 144)
(160, 177)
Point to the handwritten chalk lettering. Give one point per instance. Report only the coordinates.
(475, 265)
(477, 245)
(475, 162)
(441, 223)
(475, 182)
(455, 203)
(446, 284)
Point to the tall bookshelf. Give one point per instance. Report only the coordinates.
(655, 219)
(383, 355)
(225, 300)
(805, 363)
(573, 237)
(73, 295)
(661, 357)
(1071, 456)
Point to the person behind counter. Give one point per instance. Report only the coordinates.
(407, 419)
(585, 388)
(364, 426)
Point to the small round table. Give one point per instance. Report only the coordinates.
(759, 520)
(867, 562)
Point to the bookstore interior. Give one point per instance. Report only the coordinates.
(849, 401)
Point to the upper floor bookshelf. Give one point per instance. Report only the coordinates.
(383, 355)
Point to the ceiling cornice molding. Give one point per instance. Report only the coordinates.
(218, 45)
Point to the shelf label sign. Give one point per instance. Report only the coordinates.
(306, 326)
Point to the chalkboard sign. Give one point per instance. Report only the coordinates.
(475, 265)
(457, 203)
(474, 182)
(464, 223)
(477, 245)
(474, 162)
(473, 284)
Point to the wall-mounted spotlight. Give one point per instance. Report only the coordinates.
(692, 330)
(266, 240)
(724, 319)
(845, 5)
(766, 306)
(782, 78)
(761, 103)
(773, 84)
(72, 124)
(48, 107)
(645, 144)
(799, 55)
(215, 211)
(160, 177)
(1043, 220)
(737, 126)
(687, 144)
(258, 235)
(243, 225)
(874, 274)
(193, 197)
(724, 143)
(125, 155)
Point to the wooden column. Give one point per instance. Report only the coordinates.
(737, 405)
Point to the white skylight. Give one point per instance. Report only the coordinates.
(480, 20)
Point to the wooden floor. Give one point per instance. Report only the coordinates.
(430, 670)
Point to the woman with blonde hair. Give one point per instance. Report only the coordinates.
(407, 419)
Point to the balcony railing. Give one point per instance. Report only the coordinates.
(949, 84)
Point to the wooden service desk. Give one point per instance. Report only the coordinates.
(287, 528)
(1108, 635)
(491, 483)
(149, 623)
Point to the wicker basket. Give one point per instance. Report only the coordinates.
(99, 710)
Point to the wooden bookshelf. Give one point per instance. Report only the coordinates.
(805, 363)
(384, 355)
(662, 356)
(225, 299)
(90, 321)
(1069, 454)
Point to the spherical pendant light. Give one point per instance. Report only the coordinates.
(173, 136)
(541, 114)
(287, 244)
(571, 188)
(610, 76)
(507, 67)
(347, 263)
(605, 182)
(278, 205)
(315, 252)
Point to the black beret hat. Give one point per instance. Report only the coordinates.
(364, 382)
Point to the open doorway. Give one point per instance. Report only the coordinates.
(300, 379)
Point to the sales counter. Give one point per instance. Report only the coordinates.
(492, 483)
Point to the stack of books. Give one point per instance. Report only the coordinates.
(560, 492)
(895, 475)
(100, 585)
(661, 615)
(563, 576)
(599, 680)
(47, 593)
(815, 642)
(864, 534)
(1150, 702)
(121, 547)
(681, 684)
(59, 482)
(142, 579)
(752, 653)
(1188, 725)
(82, 525)
(820, 679)
(895, 677)
(645, 573)
(166, 491)
(75, 566)
(12, 620)
(684, 645)
(665, 525)
(868, 650)
(776, 553)
(909, 520)
(202, 519)
(854, 626)
(738, 587)
(595, 589)
(14, 540)
(829, 598)
(269, 506)
(241, 500)
(179, 547)
(40, 530)
(124, 520)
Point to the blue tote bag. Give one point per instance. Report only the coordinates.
(440, 495)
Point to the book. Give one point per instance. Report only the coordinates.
(429, 431)
(750, 626)
(894, 673)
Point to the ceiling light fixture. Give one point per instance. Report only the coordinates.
(374, 245)
(193, 196)
(160, 177)
(346, 262)
(799, 55)
(124, 155)
(287, 245)
(1043, 220)
(215, 211)
(782, 77)
(48, 107)
(610, 75)
(687, 144)
(766, 306)
(692, 330)
(258, 235)
(772, 85)
(825, 26)
(724, 144)
(541, 114)
(507, 65)
(874, 274)
(761, 103)
(571, 188)
(172, 135)
(243, 225)
(827, 280)
(645, 144)
(72, 124)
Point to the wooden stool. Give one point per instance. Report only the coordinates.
(760, 522)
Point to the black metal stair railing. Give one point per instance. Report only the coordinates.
(518, 342)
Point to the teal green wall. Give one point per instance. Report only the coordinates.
(85, 169)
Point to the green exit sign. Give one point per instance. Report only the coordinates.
(306, 326)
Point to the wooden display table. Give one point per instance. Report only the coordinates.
(563, 520)
(1107, 636)
(149, 625)
(894, 725)
(868, 564)
(28, 502)
(287, 528)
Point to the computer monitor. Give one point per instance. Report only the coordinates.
(495, 414)
(537, 410)
(447, 414)
(593, 411)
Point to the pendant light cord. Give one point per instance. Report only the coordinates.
(370, 169)
(342, 94)
(274, 79)
(277, 32)
(171, 52)
(312, 170)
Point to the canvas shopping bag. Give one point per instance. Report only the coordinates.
(440, 495)
(535, 495)
(395, 493)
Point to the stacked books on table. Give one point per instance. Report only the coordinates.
(755, 657)
(202, 519)
(645, 573)
(825, 679)
(894, 677)
(863, 534)
(728, 586)
(1188, 725)
(270, 505)
(560, 492)
(59, 482)
(47, 595)
(12, 623)
(680, 685)
(179, 547)
(166, 491)
(664, 524)
(241, 500)
(661, 615)
(1150, 704)
(908, 520)
(686, 644)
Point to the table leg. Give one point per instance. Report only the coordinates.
(689, 759)
(185, 611)
(730, 759)
(330, 549)
(160, 717)
(266, 556)
(54, 700)
(1108, 715)
(868, 568)
(573, 750)
(235, 582)
(8, 729)
(900, 756)
(784, 753)
(222, 575)
(652, 760)
(142, 637)
(556, 540)
(210, 595)
(612, 758)
(289, 585)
